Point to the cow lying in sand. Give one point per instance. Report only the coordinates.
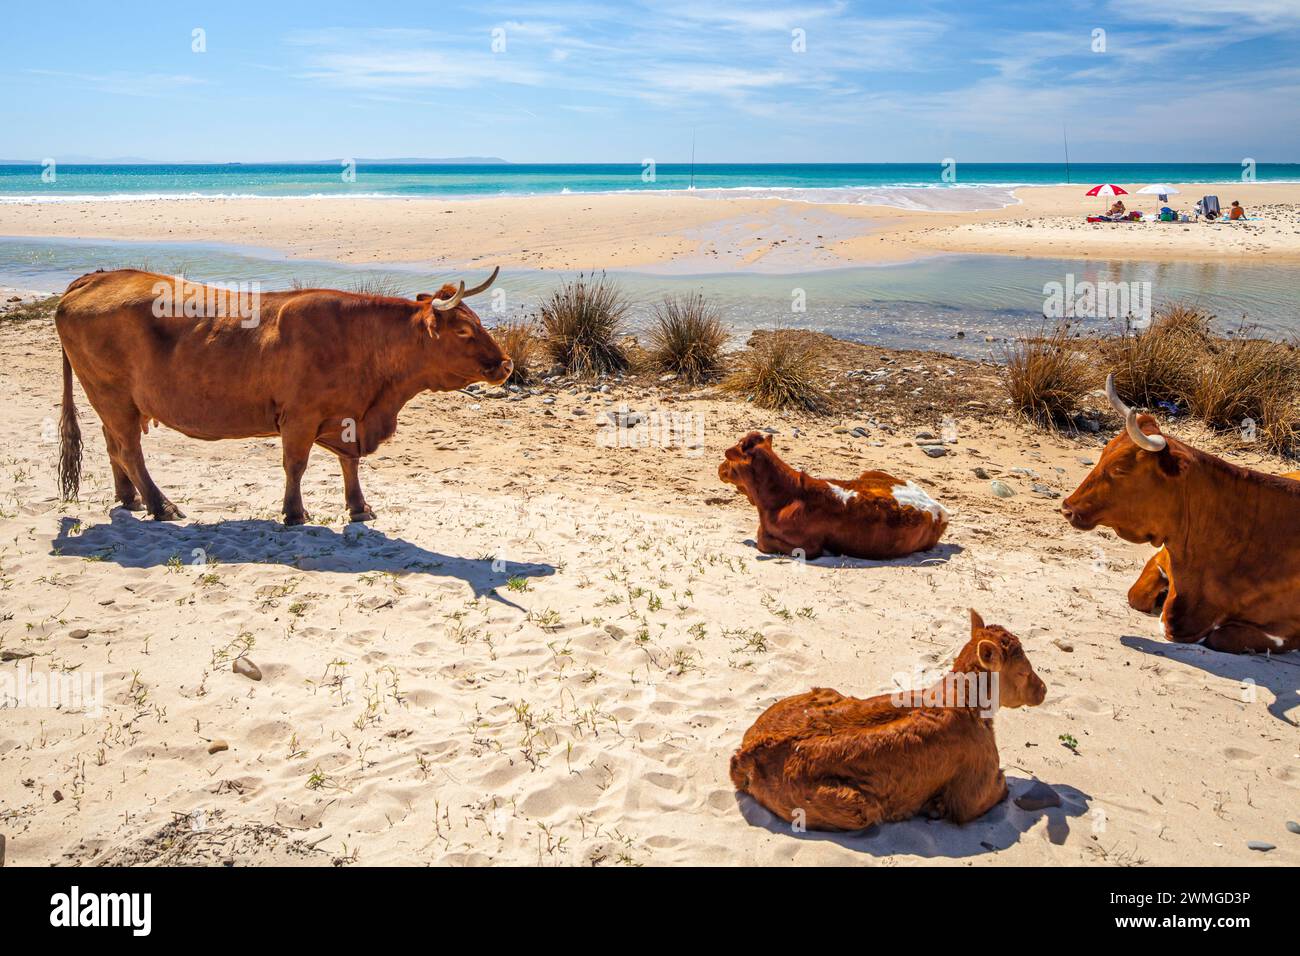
(1229, 536)
(1150, 590)
(873, 516)
(313, 366)
(839, 763)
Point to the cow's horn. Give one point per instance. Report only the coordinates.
(1140, 438)
(442, 305)
(484, 287)
(1113, 395)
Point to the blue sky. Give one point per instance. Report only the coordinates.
(1191, 80)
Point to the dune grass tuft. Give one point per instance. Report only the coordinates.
(1160, 363)
(583, 320)
(1250, 382)
(1047, 377)
(1237, 385)
(518, 339)
(385, 286)
(687, 338)
(779, 372)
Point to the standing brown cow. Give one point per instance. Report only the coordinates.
(1229, 535)
(314, 366)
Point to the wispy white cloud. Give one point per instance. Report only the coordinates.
(1220, 14)
(123, 83)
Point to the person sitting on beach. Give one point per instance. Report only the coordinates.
(1117, 209)
(1237, 211)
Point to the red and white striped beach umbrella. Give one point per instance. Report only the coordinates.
(1107, 189)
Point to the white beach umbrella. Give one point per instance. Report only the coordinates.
(1160, 190)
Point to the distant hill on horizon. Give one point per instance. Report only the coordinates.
(137, 161)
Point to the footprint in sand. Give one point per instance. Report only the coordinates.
(1082, 704)
(270, 734)
(1238, 755)
(1289, 775)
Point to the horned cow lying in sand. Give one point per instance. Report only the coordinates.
(1228, 534)
(1150, 590)
(848, 763)
(873, 516)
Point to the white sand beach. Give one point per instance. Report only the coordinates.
(677, 231)
(576, 702)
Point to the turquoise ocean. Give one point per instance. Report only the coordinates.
(829, 182)
(960, 304)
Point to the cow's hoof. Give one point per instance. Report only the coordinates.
(297, 519)
(358, 516)
(169, 513)
(136, 505)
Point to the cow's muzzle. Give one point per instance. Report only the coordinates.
(1076, 518)
(502, 372)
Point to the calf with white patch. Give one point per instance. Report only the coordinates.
(874, 516)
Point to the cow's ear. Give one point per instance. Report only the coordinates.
(424, 297)
(989, 655)
(1174, 462)
(767, 440)
(430, 319)
(976, 622)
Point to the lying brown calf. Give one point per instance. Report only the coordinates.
(840, 763)
(873, 516)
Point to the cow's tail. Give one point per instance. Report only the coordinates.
(69, 439)
(741, 767)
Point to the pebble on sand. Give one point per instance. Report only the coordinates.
(1001, 489)
(1039, 796)
(1260, 845)
(1293, 826)
(217, 746)
(80, 634)
(246, 667)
